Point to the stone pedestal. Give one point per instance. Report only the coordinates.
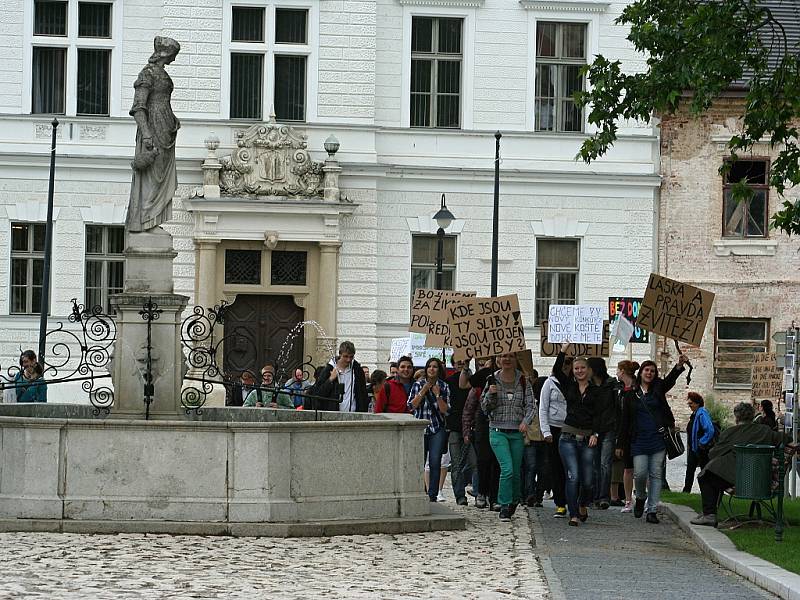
(148, 278)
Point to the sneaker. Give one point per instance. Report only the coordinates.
(505, 513)
(480, 502)
(652, 518)
(512, 508)
(617, 503)
(638, 508)
(710, 520)
(494, 507)
(440, 497)
(604, 504)
(561, 512)
(462, 501)
(627, 508)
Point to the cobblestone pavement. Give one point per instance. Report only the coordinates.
(614, 556)
(489, 560)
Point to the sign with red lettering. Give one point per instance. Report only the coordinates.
(629, 308)
(675, 310)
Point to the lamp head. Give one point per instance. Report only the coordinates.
(444, 217)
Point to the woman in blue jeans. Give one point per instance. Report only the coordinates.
(429, 399)
(578, 442)
(642, 423)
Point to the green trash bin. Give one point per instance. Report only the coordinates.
(754, 471)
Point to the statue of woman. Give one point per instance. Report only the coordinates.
(154, 176)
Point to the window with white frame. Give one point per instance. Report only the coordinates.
(105, 264)
(423, 262)
(735, 343)
(260, 51)
(27, 267)
(71, 57)
(560, 56)
(557, 268)
(436, 58)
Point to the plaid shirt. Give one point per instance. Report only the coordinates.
(429, 408)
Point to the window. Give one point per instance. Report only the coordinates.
(243, 267)
(284, 54)
(748, 218)
(71, 57)
(436, 56)
(423, 262)
(105, 265)
(288, 268)
(560, 55)
(27, 267)
(736, 341)
(557, 265)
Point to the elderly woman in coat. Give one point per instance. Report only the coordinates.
(720, 472)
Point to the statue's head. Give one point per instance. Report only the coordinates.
(166, 49)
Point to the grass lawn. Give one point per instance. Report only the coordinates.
(757, 540)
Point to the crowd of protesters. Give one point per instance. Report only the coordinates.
(579, 436)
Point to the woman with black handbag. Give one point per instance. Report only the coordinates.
(645, 423)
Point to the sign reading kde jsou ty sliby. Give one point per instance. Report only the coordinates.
(675, 310)
(429, 313)
(486, 326)
(575, 323)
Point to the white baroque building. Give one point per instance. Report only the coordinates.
(413, 90)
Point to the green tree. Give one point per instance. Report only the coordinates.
(696, 49)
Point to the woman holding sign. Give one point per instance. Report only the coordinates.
(643, 421)
(509, 402)
(578, 443)
(429, 400)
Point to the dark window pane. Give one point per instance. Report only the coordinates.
(572, 40)
(115, 276)
(567, 288)
(48, 80)
(94, 239)
(290, 26)
(39, 233)
(447, 111)
(94, 273)
(288, 268)
(19, 236)
(571, 117)
(421, 278)
(94, 20)
(423, 249)
(420, 110)
(19, 299)
(571, 80)
(290, 88)
(421, 76)
(19, 271)
(450, 36)
(757, 215)
(546, 39)
(557, 254)
(38, 271)
(546, 81)
(243, 267)
(116, 240)
(752, 171)
(447, 279)
(742, 330)
(449, 250)
(94, 297)
(50, 18)
(448, 77)
(246, 85)
(36, 299)
(545, 115)
(247, 24)
(733, 216)
(421, 34)
(93, 81)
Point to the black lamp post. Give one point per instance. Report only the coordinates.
(48, 250)
(443, 218)
(496, 212)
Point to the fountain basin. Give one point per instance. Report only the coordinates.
(226, 471)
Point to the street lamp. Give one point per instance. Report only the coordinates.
(443, 218)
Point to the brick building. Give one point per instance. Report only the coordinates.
(413, 90)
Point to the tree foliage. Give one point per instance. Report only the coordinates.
(696, 50)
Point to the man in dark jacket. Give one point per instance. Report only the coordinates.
(720, 472)
(342, 386)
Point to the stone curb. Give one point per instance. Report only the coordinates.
(721, 549)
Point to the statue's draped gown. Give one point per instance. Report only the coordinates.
(154, 176)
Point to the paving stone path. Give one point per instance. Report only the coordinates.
(614, 556)
(488, 560)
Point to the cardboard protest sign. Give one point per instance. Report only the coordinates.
(577, 323)
(629, 307)
(766, 376)
(548, 348)
(675, 310)
(429, 314)
(486, 326)
(525, 363)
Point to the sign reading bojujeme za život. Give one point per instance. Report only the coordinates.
(486, 326)
(675, 310)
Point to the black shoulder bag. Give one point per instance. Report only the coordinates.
(672, 437)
